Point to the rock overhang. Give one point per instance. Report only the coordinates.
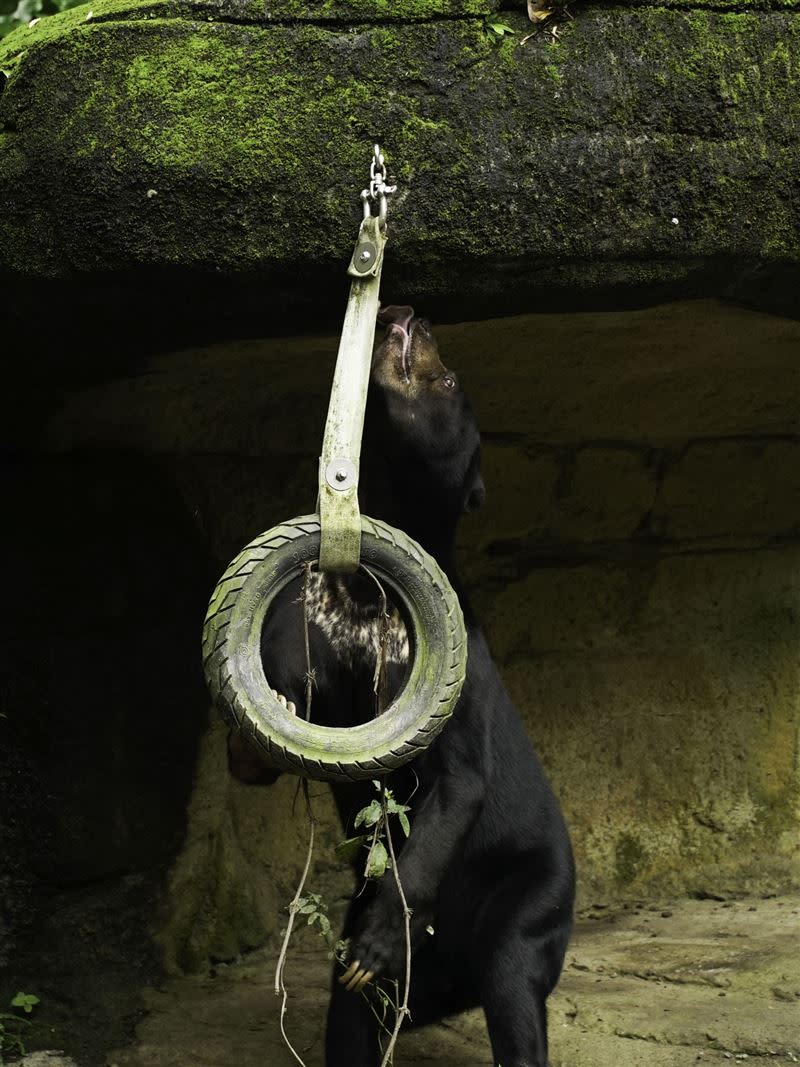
(644, 147)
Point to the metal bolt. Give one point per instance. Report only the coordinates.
(341, 474)
(365, 256)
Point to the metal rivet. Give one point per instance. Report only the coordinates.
(341, 474)
(365, 256)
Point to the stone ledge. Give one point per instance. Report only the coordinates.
(367, 12)
(642, 142)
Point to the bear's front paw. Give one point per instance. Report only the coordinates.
(378, 950)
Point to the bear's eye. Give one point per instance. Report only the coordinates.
(449, 380)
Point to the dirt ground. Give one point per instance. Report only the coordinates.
(647, 985)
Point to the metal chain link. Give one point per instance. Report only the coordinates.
(378, 190)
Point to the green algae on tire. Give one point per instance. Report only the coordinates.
(235, 674)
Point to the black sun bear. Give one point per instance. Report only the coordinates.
(487, 870)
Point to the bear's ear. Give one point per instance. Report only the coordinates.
(476, 496)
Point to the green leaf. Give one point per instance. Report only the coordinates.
(378, 861)
(349, 849)
(369, 815)
(492, 24)
(26, 1001)
(321, 920)
(341, 949)
(404, 823)
(384, 997)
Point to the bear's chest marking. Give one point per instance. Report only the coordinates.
(352, 627)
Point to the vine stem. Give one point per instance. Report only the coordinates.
(402, 1011)
(280, 985)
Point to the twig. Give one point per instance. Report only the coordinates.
(306, 642)
(385, 1001)
(280, 986)
(379, 677)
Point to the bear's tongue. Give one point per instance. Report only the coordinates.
(399, 315)
(398, 319)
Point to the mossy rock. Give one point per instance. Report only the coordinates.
(640, 144)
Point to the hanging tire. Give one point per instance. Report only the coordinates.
(235, 674)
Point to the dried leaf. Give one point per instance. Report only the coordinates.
(539, 10)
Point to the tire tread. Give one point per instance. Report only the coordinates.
(218, 658)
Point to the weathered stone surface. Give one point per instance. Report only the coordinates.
(658, 377)
(638, 469)
(649, 688)
(599, 492)
(669, 985)
(605, 494)
(697, 498)
(641, 145)
(47, 1058)
(218, 902)
(523, 488)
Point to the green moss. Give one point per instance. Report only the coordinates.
(377, 10)
(733, 6)
(256, 137)
(55, 27)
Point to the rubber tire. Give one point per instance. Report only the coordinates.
(235, 675)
